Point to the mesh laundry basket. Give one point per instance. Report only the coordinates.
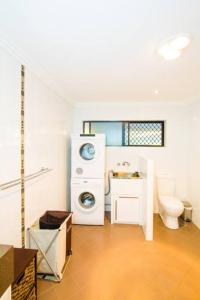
(51, 235)
(52, 219)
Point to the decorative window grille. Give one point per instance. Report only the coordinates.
(145, 133)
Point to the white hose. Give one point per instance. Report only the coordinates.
(110, 173)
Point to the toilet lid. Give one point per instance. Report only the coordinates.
(171, 202)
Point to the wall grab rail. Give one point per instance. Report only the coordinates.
(15, 182)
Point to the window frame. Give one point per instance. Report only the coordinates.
(123, 130)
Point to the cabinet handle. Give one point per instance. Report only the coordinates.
(115, 209)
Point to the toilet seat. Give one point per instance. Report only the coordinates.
(171, 202)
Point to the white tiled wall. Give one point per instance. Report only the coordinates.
(47, 127)
(47, 130)
(9, 148)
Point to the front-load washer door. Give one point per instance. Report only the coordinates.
(86, 202)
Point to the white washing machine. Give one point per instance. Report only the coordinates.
(87, 156)
(87, 201)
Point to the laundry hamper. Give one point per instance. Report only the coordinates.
(51, 235)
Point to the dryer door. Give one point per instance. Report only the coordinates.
(87, 151)
(88, 158)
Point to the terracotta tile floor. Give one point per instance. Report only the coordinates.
(114, 262)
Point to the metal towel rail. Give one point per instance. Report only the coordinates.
(15, 182)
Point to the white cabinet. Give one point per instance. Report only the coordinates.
(128, 187)
(126, 201)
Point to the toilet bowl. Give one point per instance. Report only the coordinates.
(170, 207)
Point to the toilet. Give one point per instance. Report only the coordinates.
(170, 207)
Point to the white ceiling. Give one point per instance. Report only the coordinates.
(105, 50)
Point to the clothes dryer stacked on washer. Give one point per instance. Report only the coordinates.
(87, 181)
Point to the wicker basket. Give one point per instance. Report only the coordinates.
(22, 287)
(32, 295)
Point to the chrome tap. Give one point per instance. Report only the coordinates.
(126, 163)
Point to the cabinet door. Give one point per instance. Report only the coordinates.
(128, 187)
(127, 210)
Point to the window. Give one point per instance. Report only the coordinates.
(112, 131)
(144, 133)
(128, 133)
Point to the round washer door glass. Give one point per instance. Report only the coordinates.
(87, 151)
(86, 200)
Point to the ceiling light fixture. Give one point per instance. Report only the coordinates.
(173, 47)
(168, 52)
(180, 42)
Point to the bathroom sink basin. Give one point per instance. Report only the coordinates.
(126, 175)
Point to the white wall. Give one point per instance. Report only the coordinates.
(194, 161)
(170, 160)
(9, 148)
(48, 120)
(146, 168)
